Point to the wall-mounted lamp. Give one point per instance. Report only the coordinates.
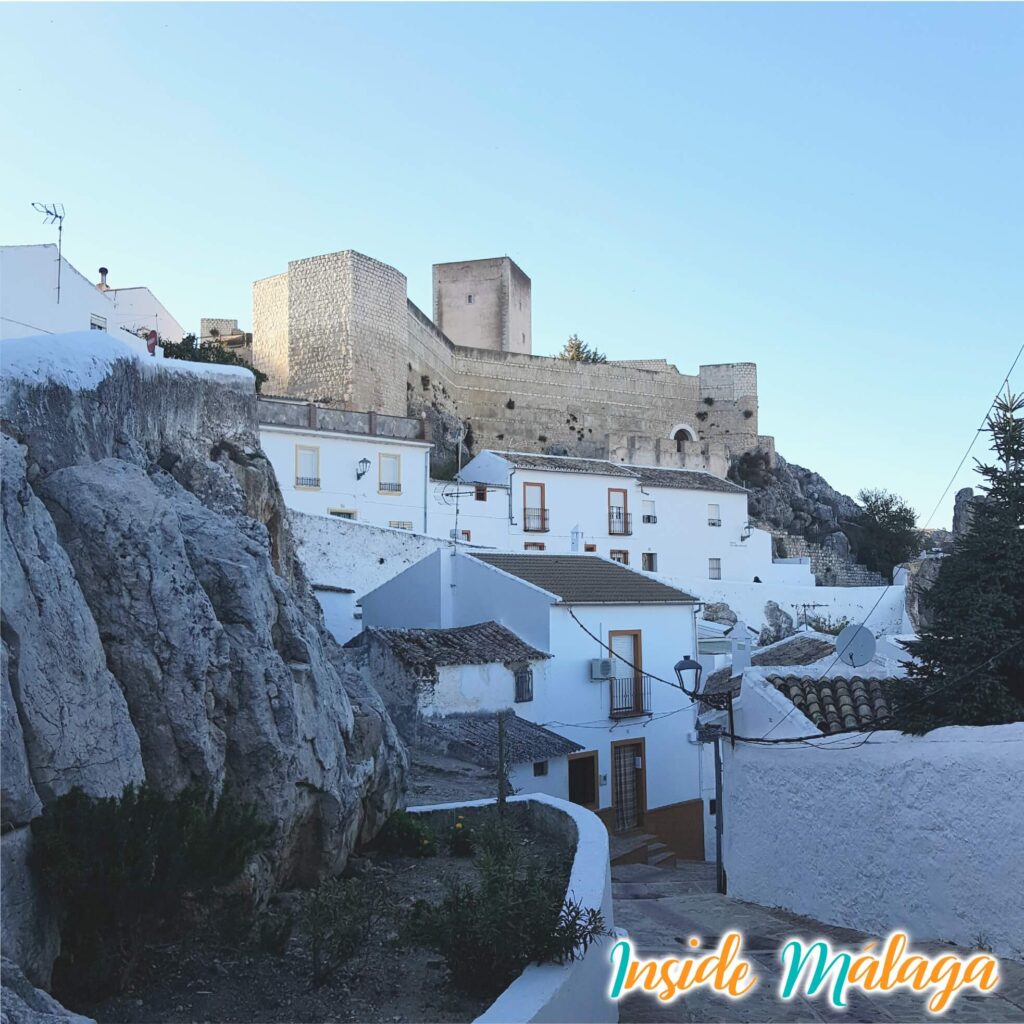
(689, 665)
(362, 469)
(747, 531)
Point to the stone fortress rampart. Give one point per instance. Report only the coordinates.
(340, 328)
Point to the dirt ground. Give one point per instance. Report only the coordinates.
(208, 979)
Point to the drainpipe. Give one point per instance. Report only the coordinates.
(511, 517)
(719, 818)
(426, 487)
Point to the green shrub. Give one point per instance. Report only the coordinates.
(335, 921)
(461, 838)
(119, 868)
(407, 834)
(515, 915)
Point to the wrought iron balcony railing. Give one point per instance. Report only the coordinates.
(383, 488)
(307, 481)
(629, 696)
(620, 524)
(535, 520)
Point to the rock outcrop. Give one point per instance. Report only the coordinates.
(155, 621)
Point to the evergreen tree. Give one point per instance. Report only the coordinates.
(978, 603)
(576, 350)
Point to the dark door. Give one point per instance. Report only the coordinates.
(583, 779)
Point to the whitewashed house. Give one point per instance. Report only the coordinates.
(639, 762)
(30, 302)
(444, 689)
(678, 523)
(353, 465)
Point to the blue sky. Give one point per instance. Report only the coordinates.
(832, 191)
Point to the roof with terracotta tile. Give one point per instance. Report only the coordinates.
(481, 644)
(801, 649)
(838, 704)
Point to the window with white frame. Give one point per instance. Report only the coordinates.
(400, 524)
(649, 561)
(714, 568)
(389, 480)
(714, 515)
(342, 513)
(97, 322)
(648, 512)
(307, 466)
(469, 300)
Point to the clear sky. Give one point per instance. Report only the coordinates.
(833, 191)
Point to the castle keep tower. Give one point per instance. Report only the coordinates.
(484, 304)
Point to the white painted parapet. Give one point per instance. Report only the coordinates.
(570, 992)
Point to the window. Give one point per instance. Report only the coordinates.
(524, 684)
(535, 514)
(649, 561)
(465, 535)
(533, 545)
(620, 555)
(479, 493)
(619, 521)
(342, 513)
(97, 323)
(469, 300)
(714, 568)
(389, 478)
(540, 768)
(648, 511)
(590, 547)
(629, 688)
(714, 515)
(400, 524)
(307, 467)
(712, 807)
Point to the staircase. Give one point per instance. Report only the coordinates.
(638, 847)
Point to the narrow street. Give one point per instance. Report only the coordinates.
(662, 907)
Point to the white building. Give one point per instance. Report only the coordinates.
(640, 764)
(445, 688)
(29, 302)
(678, 523)
(353, 465)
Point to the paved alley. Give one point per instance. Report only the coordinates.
(662, 907)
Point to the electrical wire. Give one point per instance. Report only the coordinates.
(945, 491)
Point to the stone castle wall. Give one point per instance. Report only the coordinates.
(350, 335)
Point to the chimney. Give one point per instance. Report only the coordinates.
(103, 286)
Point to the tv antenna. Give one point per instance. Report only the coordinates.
(53, 213)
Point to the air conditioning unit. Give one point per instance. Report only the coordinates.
(601, 668)
(650, 519)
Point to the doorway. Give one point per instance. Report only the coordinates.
(629, 784)
(583, 779)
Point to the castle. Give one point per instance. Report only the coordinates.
(340, 328)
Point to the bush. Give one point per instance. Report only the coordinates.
(407, 834)
(208, 352)
(335, 921)
(461, 838)
(119, 868)
(490, 932)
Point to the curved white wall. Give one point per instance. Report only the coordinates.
(570, 992)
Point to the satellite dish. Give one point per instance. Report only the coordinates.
(855, 645)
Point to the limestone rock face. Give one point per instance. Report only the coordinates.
(921, 576)
(963, 510)
(23, 1003)
(156, 624)
(720, 612)
(777, 624)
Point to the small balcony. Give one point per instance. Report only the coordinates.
(535, 520)
(307, 481)
(620, 524)
(714, 522)
(629, 696)
(650, 518)
(383, 488)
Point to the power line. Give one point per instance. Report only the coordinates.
(889, 585)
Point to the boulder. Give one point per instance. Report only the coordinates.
(720, 612)
(921, 576)
(23, 1003)
(777, 624)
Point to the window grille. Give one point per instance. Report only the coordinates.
(524, 684)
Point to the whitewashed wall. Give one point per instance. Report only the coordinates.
(681, 538)
(922, 834)
(555, 783)
(339, 459)
(138, 308)
(747, 600)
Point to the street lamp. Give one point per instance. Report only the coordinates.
(363, 468)
(689, 665)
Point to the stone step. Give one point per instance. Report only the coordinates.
(662, 859)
